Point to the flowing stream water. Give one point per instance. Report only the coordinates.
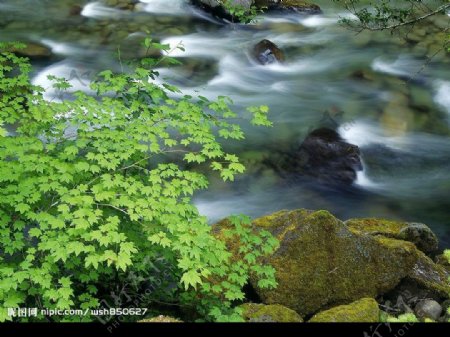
(395, 102)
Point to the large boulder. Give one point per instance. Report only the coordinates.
(267, 52)
(364, 310)
(417, 233)
(321, 262)
(255, 313)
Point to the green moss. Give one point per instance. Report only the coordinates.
(269, 313)
(160, 319)
(417, 233)
(364, 310)
(299, 4)
(320, 261)
(404, 318)
(376, 226)
(427, 274)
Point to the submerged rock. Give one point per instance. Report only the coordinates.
(364, 310)
(267, 52)
(34, 50)
(269, 313)
(122, 4)
(321, 262)
(417, 233)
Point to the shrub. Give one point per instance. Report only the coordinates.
(96, 188)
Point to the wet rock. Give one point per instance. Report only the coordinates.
(267, 52)
(321, 262)
(269, 313)
(417, 233)
(428, 309)
(397, 118)
(298, 6)
(363, 311)
(216, 8)
(326, 156)
(75, 10)
(33, 50)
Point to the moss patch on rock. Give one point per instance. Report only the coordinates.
(160, 319)
(269, 313)
(364, 310)
(417, 233)
(431, 276)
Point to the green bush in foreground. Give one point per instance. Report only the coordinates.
(94, 188)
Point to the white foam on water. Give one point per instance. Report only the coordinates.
(77, 76)
(199, 45)
(314, 21)
(311, 21)
(168, 7)
(66, 49)
(98, 10)
(402, 66)
(364, 181)
(364, 134)
(442, 96)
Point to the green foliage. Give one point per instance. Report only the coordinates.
(94, 189)
(244, 14)
(404, 318)
(447, 255)
(227, 281)
(386, 14)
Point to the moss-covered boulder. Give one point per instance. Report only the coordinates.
(419, 234)
(364, 310)
(321, 262)
(160, 319)
(252, 312)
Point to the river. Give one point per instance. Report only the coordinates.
(395, 103)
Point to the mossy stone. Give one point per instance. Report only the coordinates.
(321, 262)
(269, 313)
(160, 319)
(417, 233)
(364, 310)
